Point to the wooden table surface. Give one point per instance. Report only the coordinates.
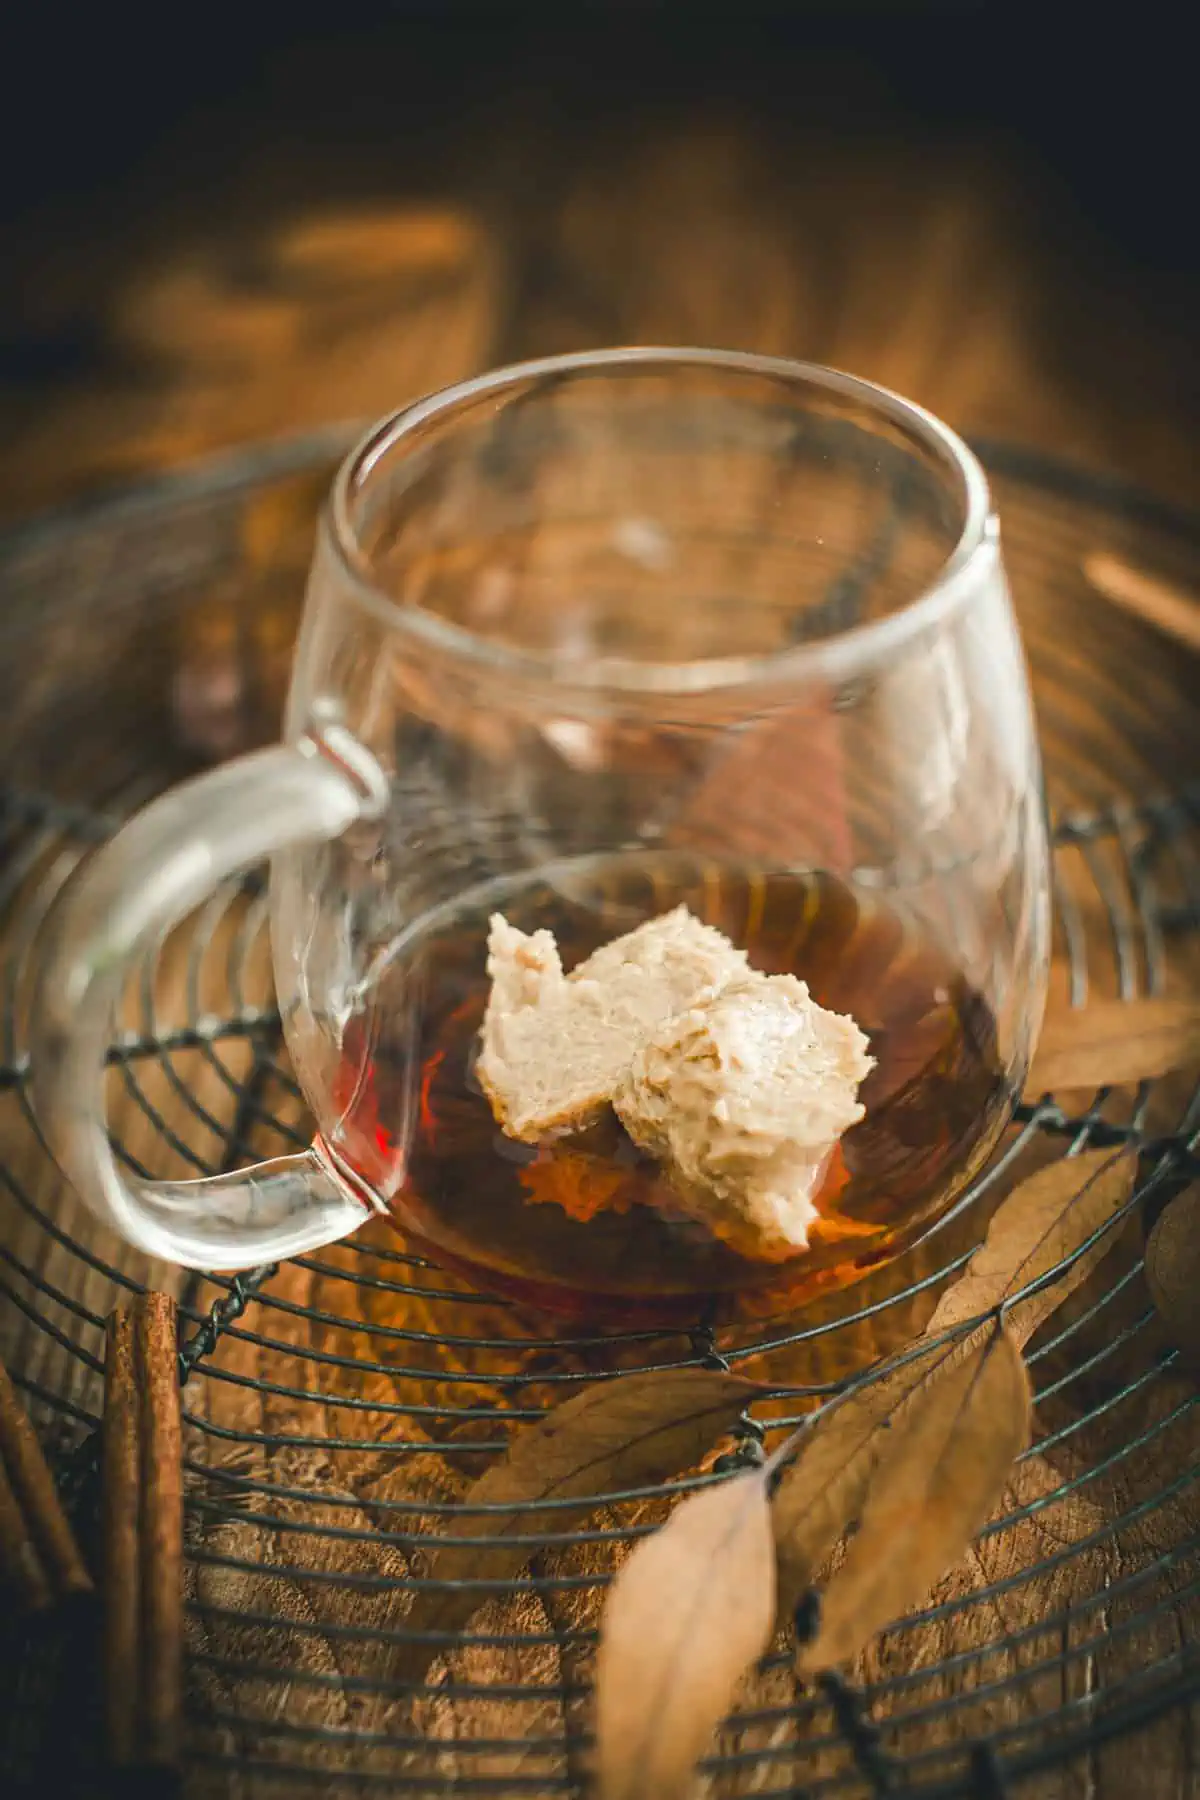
(335, 226)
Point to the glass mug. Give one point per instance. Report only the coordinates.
(586, 639)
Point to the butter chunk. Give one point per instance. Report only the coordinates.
(555, 1046)
(741, 1098)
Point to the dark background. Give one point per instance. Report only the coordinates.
(126, 141)
(91, 94)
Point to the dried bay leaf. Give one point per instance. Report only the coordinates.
(1173, 1271)
(1112, 1043)
(935, 1483)
(629, 1433)
(1041, 1222)
(690, 1611)
(820, 1492)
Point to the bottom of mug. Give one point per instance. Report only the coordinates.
(588, 1229)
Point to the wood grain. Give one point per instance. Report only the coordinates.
(906, 263)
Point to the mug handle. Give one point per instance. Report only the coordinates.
(157, 868)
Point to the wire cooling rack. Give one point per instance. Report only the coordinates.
(337, 1407)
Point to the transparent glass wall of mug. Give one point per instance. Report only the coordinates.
(658, 645)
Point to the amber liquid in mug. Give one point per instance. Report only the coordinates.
(586, 1226)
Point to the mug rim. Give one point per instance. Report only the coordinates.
(835, 658)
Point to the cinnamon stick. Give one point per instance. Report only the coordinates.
(39, 1557)
(21, 1570)
(119, 1535)
(1175, 613)
(143, 1536)
(162, 1535)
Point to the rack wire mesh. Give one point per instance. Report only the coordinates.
(337, 1407)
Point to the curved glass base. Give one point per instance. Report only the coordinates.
(272, 1210)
